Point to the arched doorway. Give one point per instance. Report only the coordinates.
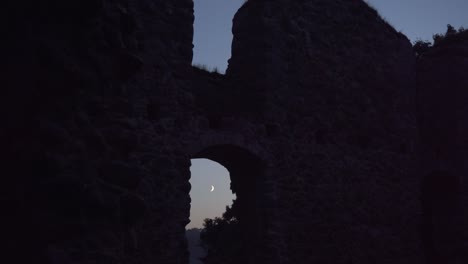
(247, 183)
(210, 192)
(210, 196)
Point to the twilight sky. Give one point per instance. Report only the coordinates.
(415, 18)
(418, 19)
(207, 204)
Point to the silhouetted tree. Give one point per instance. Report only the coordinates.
(221, 238)
(450, 30)
(420, 47)
(450, 33)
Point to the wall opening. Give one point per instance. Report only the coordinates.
(242, 226)
(212, 33)
(440, 198)
(210, 194)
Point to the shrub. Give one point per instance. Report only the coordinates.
(221, 238)
(206, 68)
(422, 46)
(451, 33)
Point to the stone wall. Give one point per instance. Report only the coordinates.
(92, 91)
(338, 84)
(314, 119)
(442, 117)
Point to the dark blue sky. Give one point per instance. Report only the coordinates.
(423, 18)
(418, 19)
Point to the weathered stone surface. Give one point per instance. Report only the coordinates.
(122, 174)
(315, 119)
(443, 129)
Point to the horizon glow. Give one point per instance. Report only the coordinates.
(206, 203)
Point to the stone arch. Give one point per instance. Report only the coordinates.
(440, 202)
(204, 141)
(247, 172)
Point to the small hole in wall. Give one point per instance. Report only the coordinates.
(212, 33)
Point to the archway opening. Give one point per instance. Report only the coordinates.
(212, 33)
(210, 195)
(440, 197)
(210, 192)
(241, 226)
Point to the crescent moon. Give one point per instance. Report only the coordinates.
(212, 188)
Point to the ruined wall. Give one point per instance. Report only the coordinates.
(91, 87)
(314, 120)
(337, 83)
(442, 117)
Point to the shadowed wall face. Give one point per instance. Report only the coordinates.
(315, 123)
(440, 228)
(343, 90)
(81, 78)
(443, 129)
